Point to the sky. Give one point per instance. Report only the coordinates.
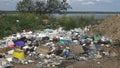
(77, 5)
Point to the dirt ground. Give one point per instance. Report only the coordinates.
(109, 27)
(106, 64)
(80, 64)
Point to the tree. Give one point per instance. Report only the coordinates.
(26, 5)
(43, 6)
(40, 7)
(54, 6)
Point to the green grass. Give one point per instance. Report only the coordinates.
(8, 24)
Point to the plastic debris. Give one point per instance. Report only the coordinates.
(49, 48)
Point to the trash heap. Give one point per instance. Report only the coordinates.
(49, 48)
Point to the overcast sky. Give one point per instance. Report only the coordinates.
(77, 5)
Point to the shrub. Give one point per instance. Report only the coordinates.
(8, 24)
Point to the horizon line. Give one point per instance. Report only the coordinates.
(71, 12)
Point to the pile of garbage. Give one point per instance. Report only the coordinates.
(109, 27)
(49, 48)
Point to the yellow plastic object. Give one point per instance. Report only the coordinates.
(18, 54)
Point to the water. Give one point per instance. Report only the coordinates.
(84, 14)
(101, 16)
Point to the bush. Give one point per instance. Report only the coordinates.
(8, 24)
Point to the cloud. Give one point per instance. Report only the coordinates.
(80, 0)
(103, 0)
(98, 0)
(88, 3)
(91, 2)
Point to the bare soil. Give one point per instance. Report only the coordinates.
(109, 27)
